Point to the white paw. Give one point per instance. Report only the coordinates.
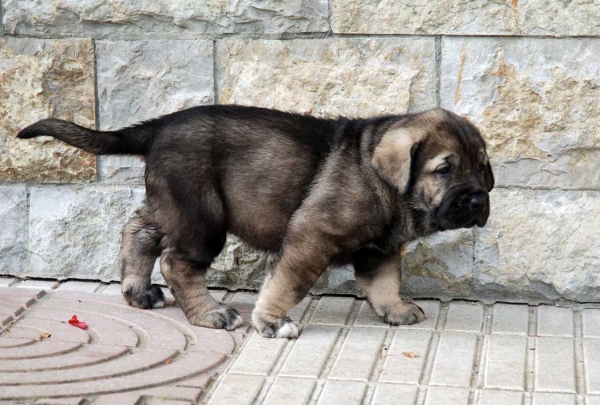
(236, 322)
(158, 304)
(287, 331)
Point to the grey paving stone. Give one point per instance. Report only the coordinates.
(490, 397)
(553, 399)
(464, 316)
(38, 284)
(395, 394)
(296, 313)
(591, 358)
(432, 312)
(368, 317)
(359, 353)
(592, 400)
(217, 294)
(591, 322)
(342, 393)
(310, 351)
(454, 360)
(332, 310)
(113, 288)
(505, 366)
(84, 286)
(400, 368)
(258, 356)
(447, 396)
(290, 391)
(167, 293)
(244, 297)
(236, 390)
(554, 365)
(510, 318)
(555, 321)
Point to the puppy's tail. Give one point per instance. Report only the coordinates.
(127, 141)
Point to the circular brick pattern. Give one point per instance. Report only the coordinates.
(124, 349)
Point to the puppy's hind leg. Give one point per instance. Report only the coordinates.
(195, 236)
(139, 250)
(187, 282)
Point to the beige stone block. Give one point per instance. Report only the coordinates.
(537, 101)
(467, 17)
(45, 78)
(329, 77)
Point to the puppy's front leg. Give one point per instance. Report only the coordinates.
(379, 277)
(301, 264)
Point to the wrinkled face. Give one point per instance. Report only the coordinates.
(445, 170)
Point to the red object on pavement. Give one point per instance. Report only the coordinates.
(76, 322)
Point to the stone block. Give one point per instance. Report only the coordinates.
(537, 101)
(45, 78)
(540, 245)
(76, 231)
(13, 232)
(467, 17)
(159, 19)
(142, 80)
(329, 77)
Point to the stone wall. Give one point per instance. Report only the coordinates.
(528, 73)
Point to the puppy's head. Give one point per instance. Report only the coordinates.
(438, 162)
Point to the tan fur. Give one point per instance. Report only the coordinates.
(383, 293)
(392, 156)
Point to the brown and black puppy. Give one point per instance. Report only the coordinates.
(317, 191)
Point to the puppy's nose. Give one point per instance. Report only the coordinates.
(477, 202)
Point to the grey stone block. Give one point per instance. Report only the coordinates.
(13, 232)
(160, 19)
(540, 245)
(440, 265)
(142, 80)
(76, 231)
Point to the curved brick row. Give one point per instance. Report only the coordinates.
(123, 350)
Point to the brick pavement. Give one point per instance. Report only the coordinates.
(126, 356)
(464, 353)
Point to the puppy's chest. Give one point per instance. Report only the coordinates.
(393, 237)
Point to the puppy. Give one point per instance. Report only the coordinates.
(317, 191)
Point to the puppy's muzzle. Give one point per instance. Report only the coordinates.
(479, 205)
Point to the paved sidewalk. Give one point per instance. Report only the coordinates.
(464, 353)
(126, 355)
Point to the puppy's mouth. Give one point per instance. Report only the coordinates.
(445, 225)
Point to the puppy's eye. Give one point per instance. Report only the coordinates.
(444, 171)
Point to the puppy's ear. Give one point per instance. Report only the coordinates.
(393, 155)
(488, 177)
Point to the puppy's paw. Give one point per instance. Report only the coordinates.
(272, 327)
(222, 317)
(405, 313)
(142, 297)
